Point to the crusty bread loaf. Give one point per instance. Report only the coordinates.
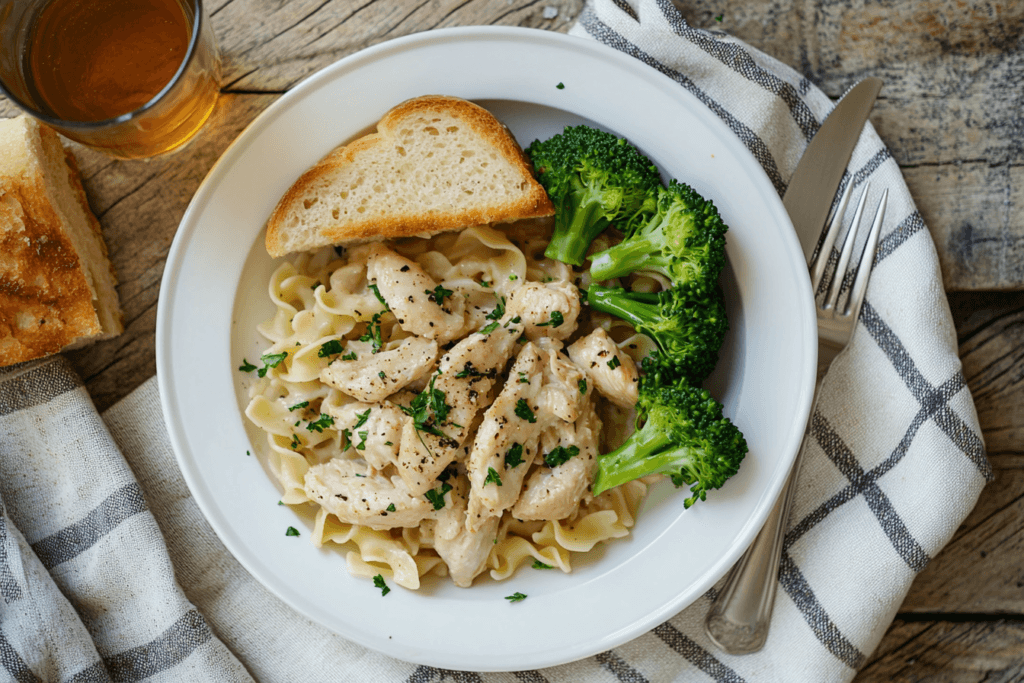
(435, 163)
(56, 283)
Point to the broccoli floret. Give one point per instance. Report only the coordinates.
(594, 179)
(688, 324)
(684, 436)
(684, 241)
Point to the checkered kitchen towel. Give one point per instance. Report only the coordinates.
(88, 540)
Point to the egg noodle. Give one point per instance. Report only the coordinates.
(325, 297)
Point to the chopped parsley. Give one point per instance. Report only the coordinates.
(315, 285)
(291, 531)
(363, 417)
(346, 435)
(373, 334)
(523, 411)
(378, 581)
(297, 406)
(349, 356)
(376, 293)
(436, 496)
(490, 328)
(537, 564)
(322, 423)
(382, 375)
(515, 597)
(559, 455)
(438, 295)
(485, 283)
(428, 410)
(514, 457)
(556, 319)
(295, 442)
(560, 86)
(614, 362)
(492, 477)
(330, 348)
(513, 277)
(719, 18)
(582, 384)
(246, 366)
(270, 360)
(390, 507)
(499, 310)
(361, 446)
(523, 379)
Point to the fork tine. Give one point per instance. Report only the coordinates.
(867, 259)
(818, 271)
(839, 273)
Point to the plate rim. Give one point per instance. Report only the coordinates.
(203, 195)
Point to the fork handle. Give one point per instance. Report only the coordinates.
(738, 619)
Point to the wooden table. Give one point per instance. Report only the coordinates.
(952, 112)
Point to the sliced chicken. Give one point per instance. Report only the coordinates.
(465, 552)
(464, 378)
(553, 493)
(414, 297)
(350, 491)
(542, 390)
(373, 429)
(547, 309)
(609, 368)
(506, 441)
(372, 377)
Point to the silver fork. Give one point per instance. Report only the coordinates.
(739, 618)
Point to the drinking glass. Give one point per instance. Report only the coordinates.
(170, 116)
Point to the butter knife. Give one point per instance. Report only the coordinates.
(740, 615)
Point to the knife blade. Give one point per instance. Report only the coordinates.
(816, 179)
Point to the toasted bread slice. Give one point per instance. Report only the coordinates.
(57, 287)
(435, 163)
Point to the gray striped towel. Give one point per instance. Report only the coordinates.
(98, 529)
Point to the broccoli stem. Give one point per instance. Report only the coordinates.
(570, 241)
(637, 308)
(624, 258)
(648, 451)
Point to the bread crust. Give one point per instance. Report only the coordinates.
(46, 303)
(533, 203)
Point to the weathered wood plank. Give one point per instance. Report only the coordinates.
(952, 652)
(975, 213)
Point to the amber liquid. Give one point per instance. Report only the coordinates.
(93, 60)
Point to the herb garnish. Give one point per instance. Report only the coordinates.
(428, 410)
(270, 360)
(556, 319)
(438, 295)
(515, 597)
(361, 446)
(537, 564)
(523, 379)
(514, 457)
(523, 411)
(490, 328)
(295, 442)
(363, 417)
(292, 531)
(436, 496)
(582, 384)
(614, 362)
(376, 293)
(297, 406)
(346, 434)
(330, 348)
(373, 333)
(513, 277)
(378, 581)
(390, 507)
(559, 455)
(349, 356)
(499, 310)
(492, 477)
(321, 424)
(246, 366)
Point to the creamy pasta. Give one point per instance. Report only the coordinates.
(428, 398)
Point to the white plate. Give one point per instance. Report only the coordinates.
(214, 291)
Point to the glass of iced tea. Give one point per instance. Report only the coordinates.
(133, 78)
